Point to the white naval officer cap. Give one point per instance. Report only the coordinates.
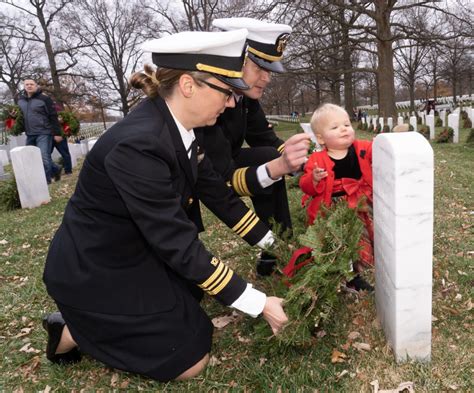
(266, 41)
(221, 54)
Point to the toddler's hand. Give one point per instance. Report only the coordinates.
(318, 175)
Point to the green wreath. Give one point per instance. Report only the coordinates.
(70, 125)
(12, 116)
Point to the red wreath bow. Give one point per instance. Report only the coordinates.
(66, 129)
(9, 123)
(354, 189)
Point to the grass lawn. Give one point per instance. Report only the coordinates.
(240, 361)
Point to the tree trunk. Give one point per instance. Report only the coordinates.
(385, 73)
(51, 58)
(347, 64)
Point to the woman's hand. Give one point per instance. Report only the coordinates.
(273, 313)
(318, 175)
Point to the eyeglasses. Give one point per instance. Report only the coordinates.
(228, 92)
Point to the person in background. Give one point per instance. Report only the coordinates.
(61, 145)
(256, 171)
(41, 125)
(126, 268)
(343, 169)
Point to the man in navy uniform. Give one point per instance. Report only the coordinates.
(256, 171)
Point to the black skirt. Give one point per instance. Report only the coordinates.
(160, 346)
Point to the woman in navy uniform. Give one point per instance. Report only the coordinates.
(258, 170)
(126, 268)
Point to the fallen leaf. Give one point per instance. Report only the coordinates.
(458, 297)
(342, 373)
(114, 380)
(47, 389)
(28, 349)
(243, 339)
(221, 322)
(26, 245)
(405, 387)
(3, 241)
(469, 305)
(214, 361)
(338, 357)
(353, 335)
(321, 334)
(362, 346)
(346, 346)
(359, 321)
(124, 384)
(262, 361)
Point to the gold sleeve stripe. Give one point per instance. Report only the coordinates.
(250, 226)
(217, 282)
(239, 182)
(223, 283)
(213, 276)
(281, 148)
(243, 222)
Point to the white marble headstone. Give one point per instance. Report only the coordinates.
(390, 123)
(91, 143)
(413, 122)
(442, 115)
(399, 120)
(381, 122)
(453, 122)
(470, 114)
(73, 154)
(430, 122)
(3, 158)
(403, 231)
(17, 140)
(30, 177)
(84, 148)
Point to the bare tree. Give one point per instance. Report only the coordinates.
(43, 26)
(114, 31)
(18, 57)
(409, 57)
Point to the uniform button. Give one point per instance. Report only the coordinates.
(190, 201)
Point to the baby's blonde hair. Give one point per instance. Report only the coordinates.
(321, 112)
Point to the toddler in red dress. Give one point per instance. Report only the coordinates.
(343, 169)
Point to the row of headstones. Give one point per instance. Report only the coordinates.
(29, 174)
(443, 113)
(429, 120)
(403, 179)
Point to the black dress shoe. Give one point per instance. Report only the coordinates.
(57, 175)
(266, 264)
(54, 325)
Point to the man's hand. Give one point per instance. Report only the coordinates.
(273, 313)
(296, 151)
(293, 157)
(58, 138)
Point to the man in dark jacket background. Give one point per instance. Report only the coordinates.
(41, 124)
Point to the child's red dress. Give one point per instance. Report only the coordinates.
(350, 179)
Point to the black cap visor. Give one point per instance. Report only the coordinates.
(272, 66)
(236, 83)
